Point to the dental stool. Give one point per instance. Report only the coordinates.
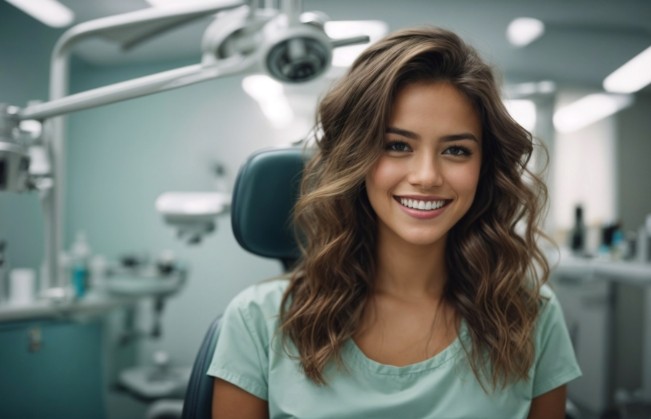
(266, 188)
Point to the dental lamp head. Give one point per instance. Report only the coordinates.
(290, 46)
(295, 53)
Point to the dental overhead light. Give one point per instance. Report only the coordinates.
(287, 44)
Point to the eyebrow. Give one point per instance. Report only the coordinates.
(414, 136)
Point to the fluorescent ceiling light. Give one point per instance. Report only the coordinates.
(589, 109)
(49, 12)
(345, 56)
(523, 111)
(524, 30)
(632, 76)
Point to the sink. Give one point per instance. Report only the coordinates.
(145, 285)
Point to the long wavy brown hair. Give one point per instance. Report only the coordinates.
(494, 263)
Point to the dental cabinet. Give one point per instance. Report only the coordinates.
(51, 368)
(607, 307)
(57, 357)
(61, 356)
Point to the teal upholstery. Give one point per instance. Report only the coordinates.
(265, 191)
(198, 396)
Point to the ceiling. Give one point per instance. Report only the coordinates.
(585, 40)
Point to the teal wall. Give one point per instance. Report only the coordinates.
(120, 158)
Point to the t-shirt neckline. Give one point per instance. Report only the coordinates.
(449, 353)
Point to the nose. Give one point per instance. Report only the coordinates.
(425, 172)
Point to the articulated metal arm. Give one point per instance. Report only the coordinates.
(289, 45)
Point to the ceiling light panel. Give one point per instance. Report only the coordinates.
(632, 76)
(588, 110)
(524, 30)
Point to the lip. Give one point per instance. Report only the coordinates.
(420, 214)
(422, 197)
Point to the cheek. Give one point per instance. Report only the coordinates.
(383, 175)
(466, 179)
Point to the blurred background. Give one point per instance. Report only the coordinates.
(93, 354)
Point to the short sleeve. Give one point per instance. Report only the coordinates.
(241, 356)
(556, 362)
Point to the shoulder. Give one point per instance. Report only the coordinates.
(248, 326)
(551, 330)
(261, 301)
(549, 302)
(555, 362)
(546, 291)
(254, 312)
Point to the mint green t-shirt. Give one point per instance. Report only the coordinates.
(250, 355)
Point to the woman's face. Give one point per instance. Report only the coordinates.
(426, 178)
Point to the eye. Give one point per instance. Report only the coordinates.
(458, 151)
(397, 146)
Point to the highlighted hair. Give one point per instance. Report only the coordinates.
(495, 265)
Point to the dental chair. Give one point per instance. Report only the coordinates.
(265, 190)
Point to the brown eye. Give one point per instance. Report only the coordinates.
(399, 146)
(456, 150)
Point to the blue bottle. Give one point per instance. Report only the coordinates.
(79, 272)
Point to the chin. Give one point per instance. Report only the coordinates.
(425, 240)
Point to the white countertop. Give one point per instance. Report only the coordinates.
(47, 309)
(632, 272)
(117, 291)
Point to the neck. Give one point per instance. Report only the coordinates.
(411, 271)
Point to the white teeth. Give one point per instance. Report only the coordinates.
(421, 205)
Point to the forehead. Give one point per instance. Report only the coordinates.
(434, 108)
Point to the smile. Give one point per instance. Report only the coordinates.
(421, 204)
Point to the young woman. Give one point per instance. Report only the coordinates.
(420, 292)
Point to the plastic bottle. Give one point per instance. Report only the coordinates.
(22, 286)
(3, 271)
(98, 267)
(577, 237)
(79, 260)
(619, 247)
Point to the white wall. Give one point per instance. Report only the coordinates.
(585, 173)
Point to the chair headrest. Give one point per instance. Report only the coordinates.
(266, 189)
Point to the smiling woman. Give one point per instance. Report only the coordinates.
(425, 181)
(415, 296)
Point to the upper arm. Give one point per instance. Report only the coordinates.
(550, 405)
(231, 402)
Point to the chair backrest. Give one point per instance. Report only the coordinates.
(266, 188)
